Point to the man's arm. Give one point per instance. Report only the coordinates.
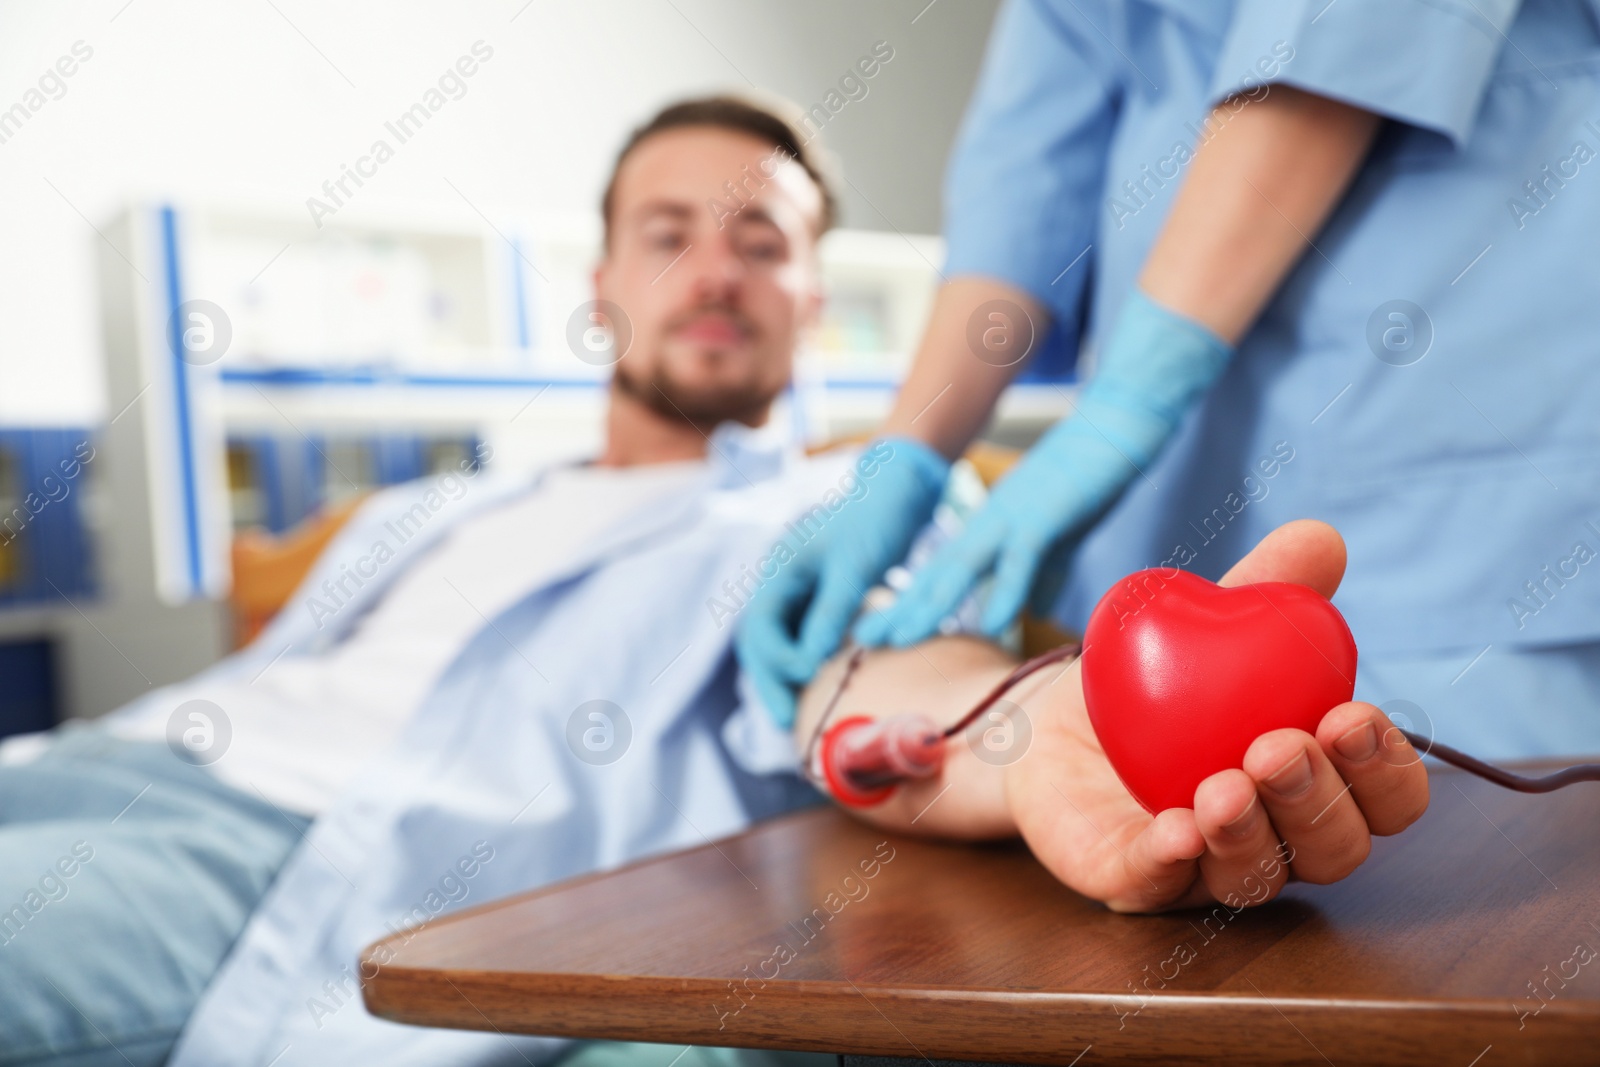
(1255, 196)
(1248, 828)
(940, 678)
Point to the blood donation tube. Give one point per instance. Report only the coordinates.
(863, 759)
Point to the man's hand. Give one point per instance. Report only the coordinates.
(1303, 806)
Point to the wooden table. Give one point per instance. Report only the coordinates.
(1457, 943)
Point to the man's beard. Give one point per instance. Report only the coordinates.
(703, 406)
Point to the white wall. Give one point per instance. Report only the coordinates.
(264, 100)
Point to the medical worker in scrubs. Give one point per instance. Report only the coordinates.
(1328, 259)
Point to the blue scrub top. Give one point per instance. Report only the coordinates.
(1428, 377)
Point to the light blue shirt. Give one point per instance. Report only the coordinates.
(486, 778)
(1457, 450)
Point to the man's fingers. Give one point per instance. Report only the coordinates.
(1243, 863)
(1310, 805)
(1306, 552)
(1385, 772)
(1160, 865)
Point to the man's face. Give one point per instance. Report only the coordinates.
(716, 296)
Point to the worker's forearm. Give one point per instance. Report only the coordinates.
(967, 357)
(1255, 198)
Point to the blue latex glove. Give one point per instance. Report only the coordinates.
(799, 617)
(1154, 367)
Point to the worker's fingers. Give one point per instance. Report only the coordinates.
(828, 617)
(871, 630)
(1310, 805)
(772, 662)
(773, 674)
(775, 694)
(1305, 551)
(1385, 772)
(1013, 578)
(938, 588)
(760, 660)
(1244, 860)
(1051, 577)
(769, 623)
(1159, 866)
(768, 651)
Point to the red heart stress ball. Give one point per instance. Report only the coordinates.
(1180, 675)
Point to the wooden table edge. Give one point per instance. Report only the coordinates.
(565, 1005)
(957, 1023)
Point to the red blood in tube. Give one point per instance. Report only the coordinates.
(864, 759)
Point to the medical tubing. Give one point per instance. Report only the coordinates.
(1580, 772)
(874, 772)
(868, 763)
(1055, 655)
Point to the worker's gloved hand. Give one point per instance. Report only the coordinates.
(799, 617)
(1153, 368)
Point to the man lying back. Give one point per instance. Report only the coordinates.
(483, 685)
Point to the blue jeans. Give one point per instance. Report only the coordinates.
(126, 873)
(635, 1054)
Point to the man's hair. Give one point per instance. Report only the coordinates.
(765, 121)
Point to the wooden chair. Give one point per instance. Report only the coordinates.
(267, 568)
